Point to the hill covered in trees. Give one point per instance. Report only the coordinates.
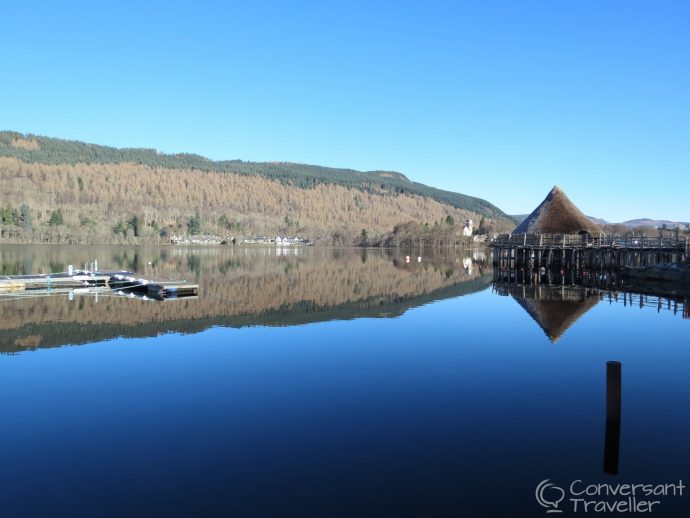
(69, 191)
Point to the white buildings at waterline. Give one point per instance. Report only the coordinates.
(257, 240)
(278, 241)
(197, 240)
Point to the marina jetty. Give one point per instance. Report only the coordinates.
(557, 235)
(74, 280)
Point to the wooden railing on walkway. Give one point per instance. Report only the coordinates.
(586, 241)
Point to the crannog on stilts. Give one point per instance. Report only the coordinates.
(557, 235)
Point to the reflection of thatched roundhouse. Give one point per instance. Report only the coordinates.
(555, 309)
(557, 215)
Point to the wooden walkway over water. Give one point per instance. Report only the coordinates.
(605, 252)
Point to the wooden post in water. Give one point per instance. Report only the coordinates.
(613, 417)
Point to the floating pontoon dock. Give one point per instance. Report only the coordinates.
(115, 280)
(162, 289)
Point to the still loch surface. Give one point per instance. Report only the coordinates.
(328, 382)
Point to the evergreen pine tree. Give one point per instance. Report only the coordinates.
(25, 217)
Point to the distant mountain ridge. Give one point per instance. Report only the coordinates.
(632, 223)
(656, 223)
(645, 222)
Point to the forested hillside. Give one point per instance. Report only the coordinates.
(67, 191)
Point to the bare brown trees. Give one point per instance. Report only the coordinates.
(94, 198)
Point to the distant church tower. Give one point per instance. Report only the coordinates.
(469, 227)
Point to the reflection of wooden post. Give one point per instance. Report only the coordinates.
(613, 417)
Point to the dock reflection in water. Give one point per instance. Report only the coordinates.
(556, 300)
(553, 308)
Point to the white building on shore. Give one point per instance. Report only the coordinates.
(469, 228)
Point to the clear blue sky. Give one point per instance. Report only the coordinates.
(500, 100)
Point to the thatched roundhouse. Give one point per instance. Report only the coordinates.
(557, 215)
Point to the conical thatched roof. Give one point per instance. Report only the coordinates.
(555, 309)
(557, 215)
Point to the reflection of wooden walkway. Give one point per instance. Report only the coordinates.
(556, 308)
(545, 295)
(553, 308)
(584, 251)
(642, 300)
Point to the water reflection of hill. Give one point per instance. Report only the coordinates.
(238, 288)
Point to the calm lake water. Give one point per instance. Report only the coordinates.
(329, 382)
